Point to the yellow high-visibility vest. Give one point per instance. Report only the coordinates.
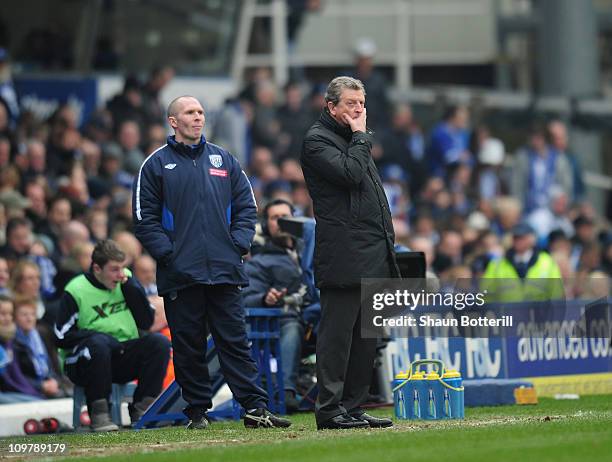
(541, 283)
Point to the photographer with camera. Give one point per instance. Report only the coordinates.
(276, 280)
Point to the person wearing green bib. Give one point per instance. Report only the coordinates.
(97, 328)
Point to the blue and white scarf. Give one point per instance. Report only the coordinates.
(36, 350)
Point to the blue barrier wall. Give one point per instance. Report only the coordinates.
(43, 95)
(508, 357)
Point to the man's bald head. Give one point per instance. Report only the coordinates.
(75, 232)
(175, 105)
(72, 234)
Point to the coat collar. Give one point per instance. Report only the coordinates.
(330, 123)
(189, 151)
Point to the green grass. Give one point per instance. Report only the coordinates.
(552, 430)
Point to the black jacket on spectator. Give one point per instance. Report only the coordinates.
(122, 109)
(271, 267)
(293, 124)
(396, 148)
(354, 234)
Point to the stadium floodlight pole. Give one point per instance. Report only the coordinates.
(403, 45)
(567, 48)
(241, 46)
(279, 42)
(568, 65)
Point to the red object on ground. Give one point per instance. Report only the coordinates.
(31, 427)
(46, 425)
(84, 419)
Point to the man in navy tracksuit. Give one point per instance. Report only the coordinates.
(195, 213)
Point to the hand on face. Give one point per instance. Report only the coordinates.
(357, 124)
(350, 110)
(111, 274)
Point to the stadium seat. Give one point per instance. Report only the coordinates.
(263, 326)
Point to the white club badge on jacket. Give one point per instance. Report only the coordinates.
(216, 160)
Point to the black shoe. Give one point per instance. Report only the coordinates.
(291, 402)
(374, 422)
(137, 410)
(342, 421)
(200, 422)
(263, 418)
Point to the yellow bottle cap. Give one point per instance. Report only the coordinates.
(432, 376)
(401, 375)
(418, 376)
(451, 374)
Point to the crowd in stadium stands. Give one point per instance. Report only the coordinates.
(454, 191)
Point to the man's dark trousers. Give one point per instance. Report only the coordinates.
(101, 363)
(344, 359)
(191, 312)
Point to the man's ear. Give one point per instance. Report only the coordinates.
(96, 268)
(331, 107)
(172, 121)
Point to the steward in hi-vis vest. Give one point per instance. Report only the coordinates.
(524, 274)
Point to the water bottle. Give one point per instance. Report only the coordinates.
(420, 399)
(452, 385)
(400, 388)
(434, 394)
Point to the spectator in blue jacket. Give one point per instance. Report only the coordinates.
(36, 353)
(276, 280)
(195, 213)
(14, 386)
(449, 143)
(559, 141)
(536, 169)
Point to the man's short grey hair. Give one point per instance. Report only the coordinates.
(335, 87)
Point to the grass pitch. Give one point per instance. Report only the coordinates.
(552, 430)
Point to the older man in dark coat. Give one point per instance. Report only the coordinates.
(354, 240)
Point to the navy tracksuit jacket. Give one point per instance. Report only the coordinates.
(195, 213)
